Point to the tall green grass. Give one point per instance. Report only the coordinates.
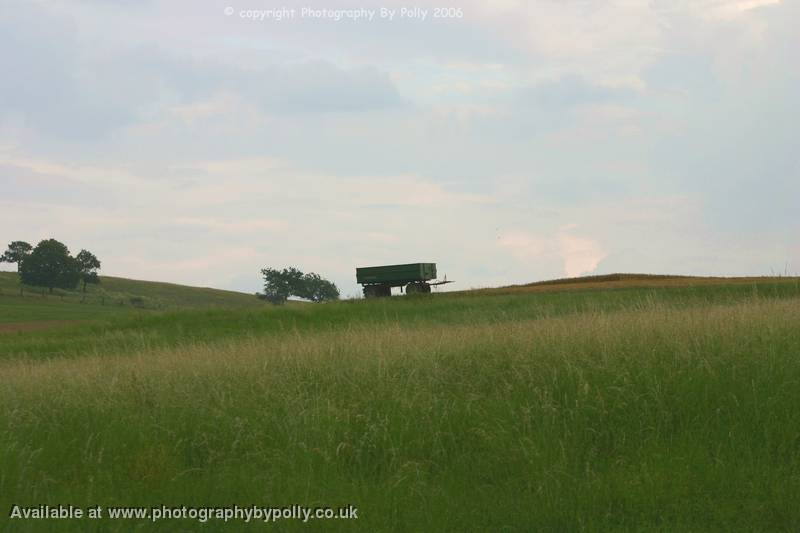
(128, 332)
(638, 412)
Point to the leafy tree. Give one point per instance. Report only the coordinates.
(294, 280)
(280, 284)
(16, 253)
(50, 265)
(88, 265)
(276, 286)
(318, 289)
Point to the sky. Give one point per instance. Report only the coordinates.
(508, 141)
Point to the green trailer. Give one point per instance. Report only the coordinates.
(413, 277)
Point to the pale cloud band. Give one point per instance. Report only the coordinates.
(526, 140)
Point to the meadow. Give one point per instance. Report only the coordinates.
(111, 294)
(634, 408)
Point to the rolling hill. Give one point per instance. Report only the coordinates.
(111, 297)
(629, 281)
(549, 407)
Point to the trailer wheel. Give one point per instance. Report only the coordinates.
(418, 287)
(376, 291)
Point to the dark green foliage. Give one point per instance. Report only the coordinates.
(294, 280)
(280, 284)
(317, 289)
(277, 285)
(51, 266)
(89, 265)
(16, 253)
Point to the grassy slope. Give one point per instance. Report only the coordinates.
(627, 281)
(114, 296)
(180, 295)
(633, 409)
(131, 332)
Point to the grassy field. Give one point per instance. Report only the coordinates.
(627, 281)
(35, 309)
(100, 300)
(671, 408)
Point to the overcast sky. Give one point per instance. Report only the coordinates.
(190, 142)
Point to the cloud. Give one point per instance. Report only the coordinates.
(57, 86)
(318, 86)
(21, 185)
(601, 41)
(43, 84)
(88, 174)
(281, 180)
(158, 133)
(407, 190)
(235, 227)
(266, 210)
(579, 254)
(727, 9)
(571, 90)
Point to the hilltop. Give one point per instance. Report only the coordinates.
(111, 297)
(115, 296)
(627, 281)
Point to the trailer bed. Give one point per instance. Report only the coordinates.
(396, 274)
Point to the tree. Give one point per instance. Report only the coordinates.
(276, 286)
(280, 284)
(50, 265)
(317, 289)
(294, 280)
(88, 265)
(16, 253)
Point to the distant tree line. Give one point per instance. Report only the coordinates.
(279, 285)
(50, 265)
